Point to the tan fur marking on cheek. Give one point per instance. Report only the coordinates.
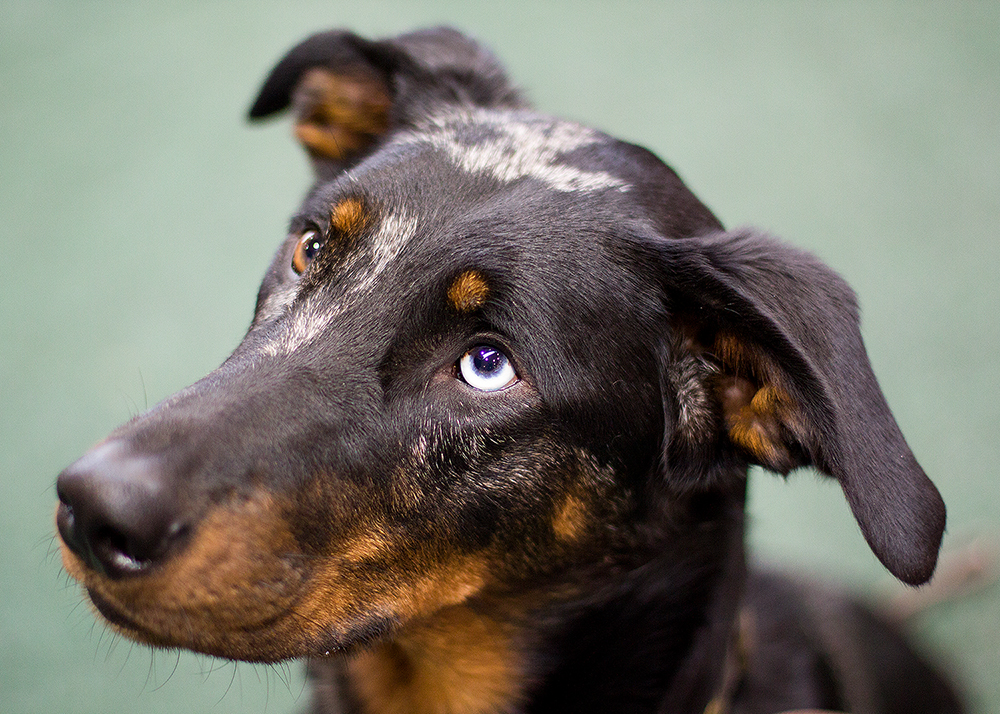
(468, 291)
(348, 217)
(374, 543)
(345, 583)
(394, 587)
(457, 662)
(571, 519)
(447, 584)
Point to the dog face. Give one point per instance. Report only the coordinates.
(495, 352)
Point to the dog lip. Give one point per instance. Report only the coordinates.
(118, 617)
(112, 614)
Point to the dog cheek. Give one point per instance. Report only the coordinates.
(376, 584)
(397, 559)
(561, 504)
(571, 519)
(590, 505)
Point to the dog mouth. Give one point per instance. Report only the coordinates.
(242, 587)
(133, 627)
(283, 634)
(230, 592)
(246, 627)
(117, 617)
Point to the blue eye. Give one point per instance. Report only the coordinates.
(487, 369)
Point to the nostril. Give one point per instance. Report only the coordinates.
(66, 524)
(122, 552)
(115, 512)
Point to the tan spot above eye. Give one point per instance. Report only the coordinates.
(348, 216)
(468, 291)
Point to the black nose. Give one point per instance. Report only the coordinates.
(115, 511)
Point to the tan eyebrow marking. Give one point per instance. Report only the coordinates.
(468, 291)
(348, 217)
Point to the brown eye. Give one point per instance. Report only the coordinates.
(308, 246)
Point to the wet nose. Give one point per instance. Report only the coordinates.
(115, 511)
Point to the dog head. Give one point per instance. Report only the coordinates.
(495, 347)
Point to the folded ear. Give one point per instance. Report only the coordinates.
(349, 93)
(790, 375)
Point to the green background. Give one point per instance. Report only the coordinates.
(138, 212)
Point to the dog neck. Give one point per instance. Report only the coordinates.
(654, 637)
(458, 662)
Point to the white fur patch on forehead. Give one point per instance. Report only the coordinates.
(515, 145)
(394, 232)
(357, 281)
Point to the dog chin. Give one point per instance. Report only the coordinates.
(266, 642)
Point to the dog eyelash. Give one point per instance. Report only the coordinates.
(309, 245)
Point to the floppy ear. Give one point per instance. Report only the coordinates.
(348, 93)
(792, 380)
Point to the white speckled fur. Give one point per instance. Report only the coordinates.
(522, 146)
(363, 270)
(518, 146)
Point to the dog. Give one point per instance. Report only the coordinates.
(484, 446)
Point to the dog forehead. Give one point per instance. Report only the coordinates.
(360, 280)
(451, 154)
(514, 145)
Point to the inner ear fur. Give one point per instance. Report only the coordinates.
(759, 412)
(339, 115)
(348, 93)
(784, 366)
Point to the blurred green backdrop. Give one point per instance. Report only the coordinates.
(138, 212)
